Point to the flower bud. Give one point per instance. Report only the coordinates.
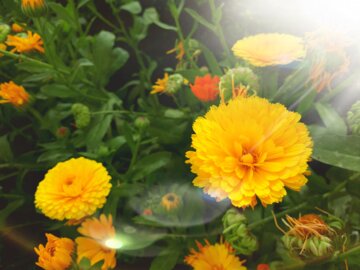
(81, 115)
(34, 8)
(174, 83)
(353, 118)
(141, 122)
(4, 31)
(232, 216)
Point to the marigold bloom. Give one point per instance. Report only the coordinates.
(32, 42)
(12, 93)
(92, 246)
(73, 189)
(263, 266)
(160, 85)
(170, 201)
(270, 49)
(218, 256)
(206, 88)
(249, 148)
(33, 8)
(56, 255)
(17, 28)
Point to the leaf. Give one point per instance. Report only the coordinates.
(197, 17)
(5, 152)
(151, 16)
(150, 164)
(337, 150)
(331, 119)
(166, 261)
(10, 208)
(58, 90)
(64, 14)
(132, 7)
(211, 60)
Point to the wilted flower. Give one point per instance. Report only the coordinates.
(31, 42)
(17, 28)
(73, 189)
(56, 255)
(81, 114)
(12, 93)
(248, 149)
(169, 84)
(270, 49)
(179, 50)
(218, 256)
(206, 88)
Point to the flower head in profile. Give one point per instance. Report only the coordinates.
(33, 8)
(218, 256)
(160, 85)
(206, 88)
(56, 254)
(170, 201)
(73, 189)
(270, 49)
(32, 42)
(12, 93)
(179, 50)
(92, 245)
(248, 149)
(169, 84)
(17, 28)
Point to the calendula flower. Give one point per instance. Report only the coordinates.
(92, 245)
(169, 84)
(263, 266)
(179, 50)
(33, 8)
(160, 85)
(12, 93)
(32, 42)
(270, 49)
(57, 253)
(2, 47)
(73, 189)
(170, 201)
(147, 212)
(218, 256)
(17, 28)
(248, 149)
(206, 88)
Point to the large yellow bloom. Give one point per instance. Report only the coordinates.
(56, 255)
(270, 49)
(12, 93)
(93, 245)
(249, 148)
(32, 42)
(73, 189)
(219, 256)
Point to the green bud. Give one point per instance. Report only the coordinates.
(232, 216)
(174, 83)
(141, 122)
(103, 151)
(81, 115)
(353, 118)
(4, 31)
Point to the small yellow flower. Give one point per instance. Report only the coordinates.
(56, 255)
(2, 47)
(270, 49)
(12, 93)
(220, 256)
(17, 28)
(160, 85)
(249, 149)
(170, 201)
(73, 189)
(93, 245)
(32, 42)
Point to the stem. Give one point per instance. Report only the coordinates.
(135, 153)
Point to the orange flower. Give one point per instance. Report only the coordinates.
(12, 93)
(147, 212)
(179, 50)
(263, 266)
(30, 43)
(206, 88)
(56, 255)
(33, 8)
(17, 28)
(93, 246)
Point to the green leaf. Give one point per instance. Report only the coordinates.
(211, 60)
(5, 152)
(10, 208)
(58, 90)
(150, 164)
(331, 119)
(166, 261)
(337, 150)
(151, 16)
(132, 7)
(64, 13)
(197, 17)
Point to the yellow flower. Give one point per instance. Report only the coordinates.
(32, 42)
(160, 85)
(179, 50)
(270, 49)
(33, 8)
(56, 255)
(17, 28)
(2, 47)
(32, 3)
(170, 201)
(219, 256)
(97, 232)
(12, 93)
(249, 148)
(73, 189)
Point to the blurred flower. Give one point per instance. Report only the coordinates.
(93, 245)
(147, 212)
(56, 255)
(62, 132)
(327, 57)
(307, 235)
(169, 84)
(17, 28)
(81, 114)
(73, 189)
(270, 49)
(179, 50)
(353, 118)
(170, 201)
(32, 42)
(206, 88)
(249, 148)
(217, 256)
(160, 85)
(238, 82)
(2, 47)
(33, 8)
(4, 31)
(12, 93)
(263, 266)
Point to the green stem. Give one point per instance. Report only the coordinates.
(135, 152)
